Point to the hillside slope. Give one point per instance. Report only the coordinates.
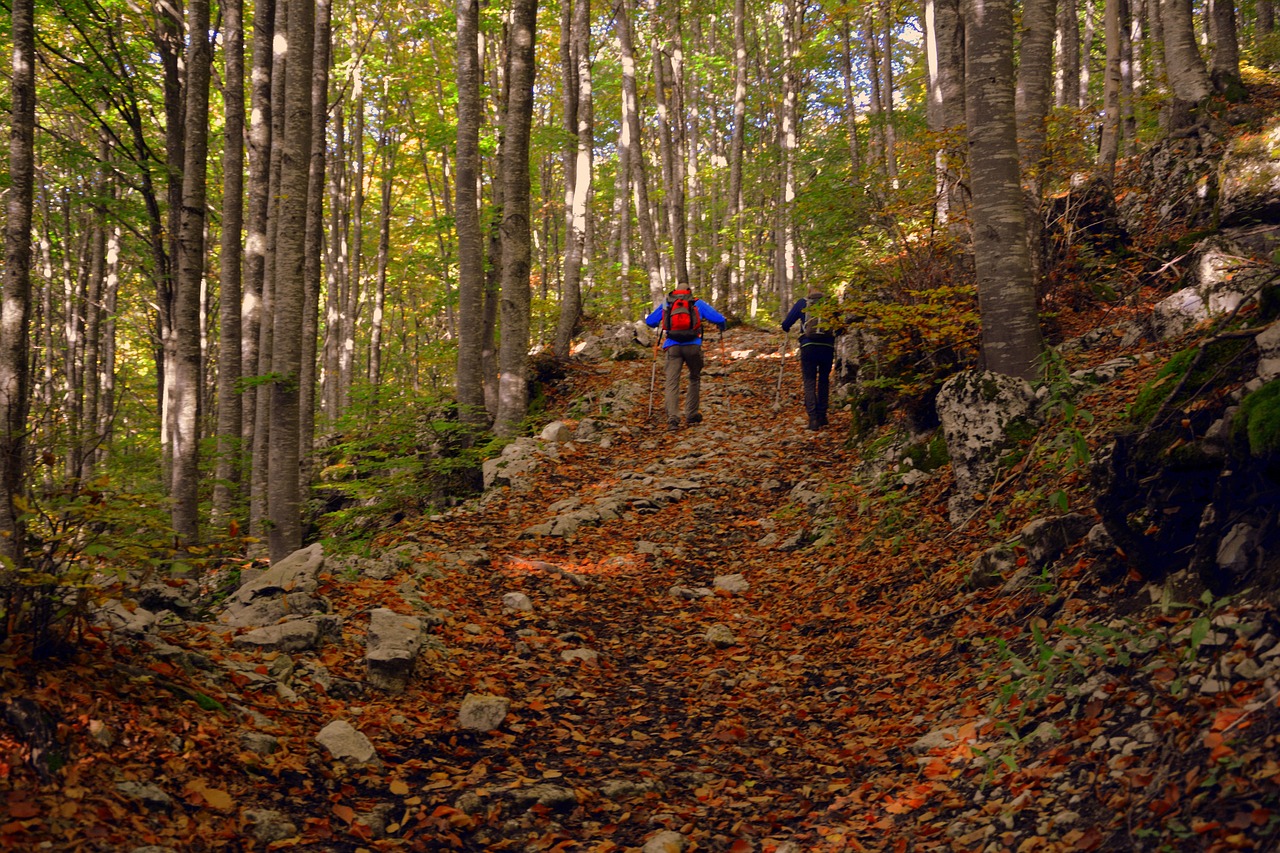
(737, 637)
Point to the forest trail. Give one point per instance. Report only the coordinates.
(752, 653)
(799, 730)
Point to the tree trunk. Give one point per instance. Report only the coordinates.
(374, 368)
(185, 404)
(285, 488)
(314, 240)
(580, 123)
(788, 272)
(1224, 66)
(730, 282)
(261, 130)
(227, 467)
(944, 56)
(886, 73)
(513, 354)
(1086, 51)
(15, 318)
(469, 376)
(1109, 147)
(1188, 77)
(632, 141)
(259, 500)
(1067, 79)
(1011, 338)
(1034, 94)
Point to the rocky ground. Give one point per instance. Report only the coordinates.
(743, 636)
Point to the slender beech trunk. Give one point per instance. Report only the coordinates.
(790, 130)
(285, 491)
(1067, 51)
(1109, 146)
(578, 170)
(513, 354)
(15, 316)
(185, 404)
(373, 374)
(227, 467)
(469, 376)
(1188, 76)
(1224, 65)
(261, 127)
(1011, 338)
(314, 240)
(631, 139)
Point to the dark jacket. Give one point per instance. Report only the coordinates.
(797, 315)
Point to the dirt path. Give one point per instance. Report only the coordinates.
(745, 645)
(779, 733)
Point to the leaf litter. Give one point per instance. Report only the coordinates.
(868, 699)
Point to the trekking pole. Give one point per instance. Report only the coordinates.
(782, 361)
(653, 375)
(728, 404)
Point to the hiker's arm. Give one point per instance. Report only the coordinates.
(793, 315)
(654, 318)
(709, 311)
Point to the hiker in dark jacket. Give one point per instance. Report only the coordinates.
(817, 354)
(680, 353)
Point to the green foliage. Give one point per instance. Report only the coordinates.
(86, 544)
(1258, 421)
(401, 457)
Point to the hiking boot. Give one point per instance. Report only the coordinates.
(695, 418)
(814, 424)
(673, 424)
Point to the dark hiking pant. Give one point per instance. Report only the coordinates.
(679, 355)
(815, 370)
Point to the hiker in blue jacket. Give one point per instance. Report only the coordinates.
(817, 354)
(682, 317)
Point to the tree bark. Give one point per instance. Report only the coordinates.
(1067, 79)
(513, 353)
(944, 57)
(1034, 94)
(285, 489)
(580, 124)
(469, 376)
(261, 130)
(227, 467)
(15, 315)
(1011, 338)
(1188, 77)
(631, 139)
(1224, 65)
(1109, 146)
(185, 404)
(314, 240)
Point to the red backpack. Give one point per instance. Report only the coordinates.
(681, 319)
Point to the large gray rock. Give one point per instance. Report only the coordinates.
(286, 588)
(296, 635)
(1223, 275)
(1045, 539)
(482, 713)
(392, 647)
(513, 466)
(976, 409)
(345, 743)
(1249, 180)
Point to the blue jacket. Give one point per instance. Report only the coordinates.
(796, 315)
(704, 308)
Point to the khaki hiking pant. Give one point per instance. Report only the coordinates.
(678, 355)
